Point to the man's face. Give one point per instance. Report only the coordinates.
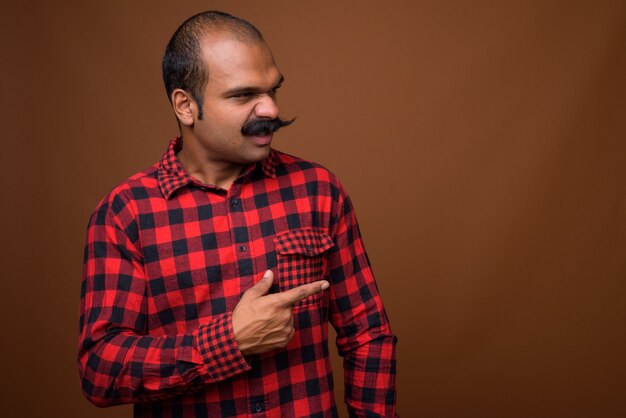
(241, 87)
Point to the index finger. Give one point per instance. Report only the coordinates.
(291, 296)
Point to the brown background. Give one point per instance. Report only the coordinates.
(482, 143)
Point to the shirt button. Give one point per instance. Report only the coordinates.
(242, 248)
(308, 249)
(234, 202)
(258, 407)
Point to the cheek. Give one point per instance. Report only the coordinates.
(226, 121)
(232, 121)
(218, 125)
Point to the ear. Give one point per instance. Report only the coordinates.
(184, 106)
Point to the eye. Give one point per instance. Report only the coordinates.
(244, 95)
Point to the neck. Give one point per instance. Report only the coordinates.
(208, 170)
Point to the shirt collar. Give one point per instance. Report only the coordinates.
(172, 175)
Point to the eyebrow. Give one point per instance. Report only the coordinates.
(252, 89)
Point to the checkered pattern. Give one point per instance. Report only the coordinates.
(167, 258)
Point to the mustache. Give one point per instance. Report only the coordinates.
(260, 127)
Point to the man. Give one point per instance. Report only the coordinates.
(210, 278)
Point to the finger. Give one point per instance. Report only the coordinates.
(291, 296)
(290, 320)
(291, 330)
(262, 286)
(291, 334)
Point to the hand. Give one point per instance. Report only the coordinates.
(263, 322)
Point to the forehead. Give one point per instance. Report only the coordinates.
(232, 63)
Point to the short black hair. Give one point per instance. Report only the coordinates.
(182, 62)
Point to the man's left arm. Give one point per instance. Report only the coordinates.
(364, 337)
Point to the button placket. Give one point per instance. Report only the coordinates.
(241, 239)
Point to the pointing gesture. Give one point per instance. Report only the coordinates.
(263, 322)
(291, 296)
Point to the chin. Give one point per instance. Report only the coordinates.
(258, 154)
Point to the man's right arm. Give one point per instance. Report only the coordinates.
(118, 361)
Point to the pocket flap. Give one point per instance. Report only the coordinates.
(307, 242)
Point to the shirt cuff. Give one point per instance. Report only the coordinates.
(219, 350)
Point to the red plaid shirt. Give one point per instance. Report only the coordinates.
(167, 259)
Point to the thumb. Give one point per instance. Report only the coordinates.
(263, 285)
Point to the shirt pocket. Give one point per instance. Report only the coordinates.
(301, 259)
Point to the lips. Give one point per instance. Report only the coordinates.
(261, 139)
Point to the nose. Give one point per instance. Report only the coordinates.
(266, 108)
